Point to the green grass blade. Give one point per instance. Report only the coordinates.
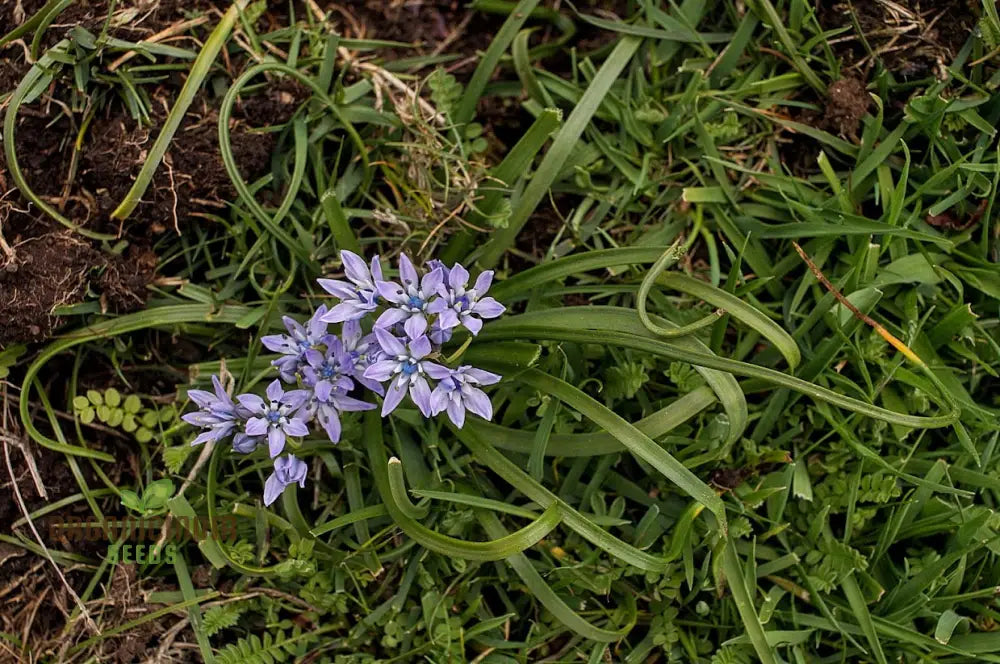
(199, 70)
(573, 519)
(548, 598)
(395, 500)
(744, 604)
(491, 58)
(571, 445)
(738, 309)
(610, 325)
(560, 149)
(632, 438)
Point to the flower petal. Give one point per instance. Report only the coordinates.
(381, 370)
(220, 391)
(431, 281)
(458, 277)
(472, 324)
(420, 347)
(296, 427)
(348, 310)
(407, 272)
(483, 282)
(392, 292)
(204, 437)
(350, 404)
(439, 400)
(256, 426)
(390, 344)
(337, 288)
(372, 385)
(200, 418)
(295, 398)
(294, 328)
(273, 488)
(316, 328)
(456, 413)
(420, 392)
(322, 390)
(203, 398)
(330, 422)
(275, 441)
(435, 370)
(391, 317)
(477, 401)
(482, 377)
(376, 269)
(251, 402)
(245, 444)
(393, 396)
(415, 326)
(355, 268)
(275, 391)
(351, 333)
(488, 307)
(448, 319)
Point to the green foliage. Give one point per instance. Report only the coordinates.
(8, 358)
(153, 500)
(221, 617)
(624, 381)
(446, 91)
(128, 414)
(989, 25)
(272, 648)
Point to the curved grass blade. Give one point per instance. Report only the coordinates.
(573, 519)
(616, 326)
(491, 58)
(595, 444)
(522, 284)
(395, 502)
(615, 318)
(548, 598)
(668, 258)
(229, 161)
(632, 438)
(186, 313)
(514, 165)
(565, 141)
(744, 604)
(738, 309)
(30, 81)
(363, 514)
(199, 70)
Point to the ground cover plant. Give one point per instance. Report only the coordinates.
(509, 332)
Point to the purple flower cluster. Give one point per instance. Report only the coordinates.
(413, 318)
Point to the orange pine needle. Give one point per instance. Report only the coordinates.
(884, 333)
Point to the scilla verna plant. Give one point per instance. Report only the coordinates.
(412, 319)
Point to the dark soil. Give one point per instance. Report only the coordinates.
(846, 105)
(46, 272)
(912, 38)
(46, 267)
(441, 26)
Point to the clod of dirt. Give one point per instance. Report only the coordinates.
(274, 106)
(57, 269)
(45, 272)
(847, 104)
(191, 178)
(912, 38)
(442, 26)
